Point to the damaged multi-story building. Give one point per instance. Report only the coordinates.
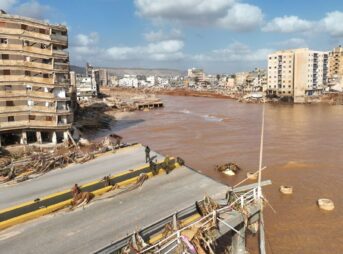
(35, 90)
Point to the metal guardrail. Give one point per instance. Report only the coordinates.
(150, 230)
(247, 199)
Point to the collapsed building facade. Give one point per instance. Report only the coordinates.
(35, 90)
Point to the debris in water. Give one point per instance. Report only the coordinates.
(326, 204)
(286, 189)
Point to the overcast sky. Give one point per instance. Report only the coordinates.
(221, 36)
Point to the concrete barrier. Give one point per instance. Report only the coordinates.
(56, 201)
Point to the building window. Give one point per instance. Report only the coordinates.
(5, 56)
(3, 41)
(32, 117)
(289, 92)
(48, 118)
(27, 73)
(24, 27)
(8, 88)
(6, 72)
(9, 103)
(10, 119)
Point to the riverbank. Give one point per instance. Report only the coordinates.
(247, 97)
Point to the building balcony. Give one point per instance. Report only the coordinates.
(23, 63)
(24, 108)
(33, 124)
(25, 33)
(17, 47)
(61, 67)
(60, 53)
(25, 93)
(22, 78)
(59, 38)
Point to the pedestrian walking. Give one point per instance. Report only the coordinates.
(147, 154)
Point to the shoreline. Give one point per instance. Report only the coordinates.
(327, 99)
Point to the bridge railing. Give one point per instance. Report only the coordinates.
(170, 243)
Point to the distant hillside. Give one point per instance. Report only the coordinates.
(132, 71)
(77, 69)
(142, 71)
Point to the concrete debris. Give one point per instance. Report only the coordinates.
(286, 189)
(230, 168)
(99, 113)
(326, 204)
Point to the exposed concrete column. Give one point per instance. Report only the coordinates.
(65, 137)
(39, 137)
(238, 241)
(54, 137)
(23, 139)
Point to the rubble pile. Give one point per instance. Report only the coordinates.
(36, 163)
(99, 113)
(93, 116)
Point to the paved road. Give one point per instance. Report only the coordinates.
(101, 222)
(61, 179)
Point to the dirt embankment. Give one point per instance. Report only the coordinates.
(175, 92)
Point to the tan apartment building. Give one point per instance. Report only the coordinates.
(336, 68)
(35, 104)
(297, 73)
(196, 74)
(336, 62)
(281, 73)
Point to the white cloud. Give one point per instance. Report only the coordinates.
(85, 48)
(7, 5)
(235, 52)
(161, 35)
(288, 24)
(160, 51)
(333, 23)
(292, 43)
(33, 9)
(229, 14)
(181, 9)
(84, 40)
(242, 17)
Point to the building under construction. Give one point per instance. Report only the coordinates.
(35, 91)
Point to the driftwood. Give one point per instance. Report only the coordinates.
(38, 163)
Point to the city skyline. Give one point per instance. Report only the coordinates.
(220, 36)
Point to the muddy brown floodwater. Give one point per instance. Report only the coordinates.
(303, 148)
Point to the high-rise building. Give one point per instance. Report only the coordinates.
(336, 69)
(336, 62)
(310, 73)
(297, 73)
(280, 73)
(35, 88)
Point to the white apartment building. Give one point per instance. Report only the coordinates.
(151, 80)
(86, 87)
(297, 73)
(129, 81)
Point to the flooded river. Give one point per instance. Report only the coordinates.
(303, 148)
